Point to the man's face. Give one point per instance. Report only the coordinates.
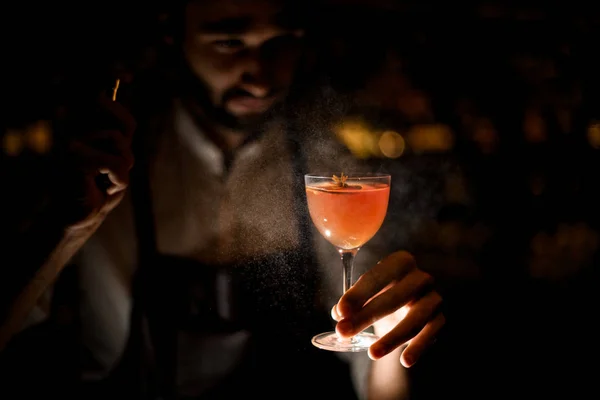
(244, 52)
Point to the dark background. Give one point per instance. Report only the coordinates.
(517, 85)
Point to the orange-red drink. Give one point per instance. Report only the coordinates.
(350, 216)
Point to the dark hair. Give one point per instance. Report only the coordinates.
(298, 14)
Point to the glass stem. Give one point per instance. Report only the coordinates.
(348, 265)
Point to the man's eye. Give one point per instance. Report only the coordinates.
(228, 46)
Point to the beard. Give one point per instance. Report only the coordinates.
(245, 123)
(197, 96)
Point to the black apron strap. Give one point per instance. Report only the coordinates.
(156, 319)
(140, 373)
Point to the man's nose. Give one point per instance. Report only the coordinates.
(255, 75)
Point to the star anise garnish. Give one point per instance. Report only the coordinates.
(341, 183)
(341, 180)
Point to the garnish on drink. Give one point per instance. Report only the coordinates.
(341, 182)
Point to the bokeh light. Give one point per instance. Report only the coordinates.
(593, 135)
(39, 137)
(13, 143)
(391, 144)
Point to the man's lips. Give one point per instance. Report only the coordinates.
(247, 104)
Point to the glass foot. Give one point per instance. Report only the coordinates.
(330, 341)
